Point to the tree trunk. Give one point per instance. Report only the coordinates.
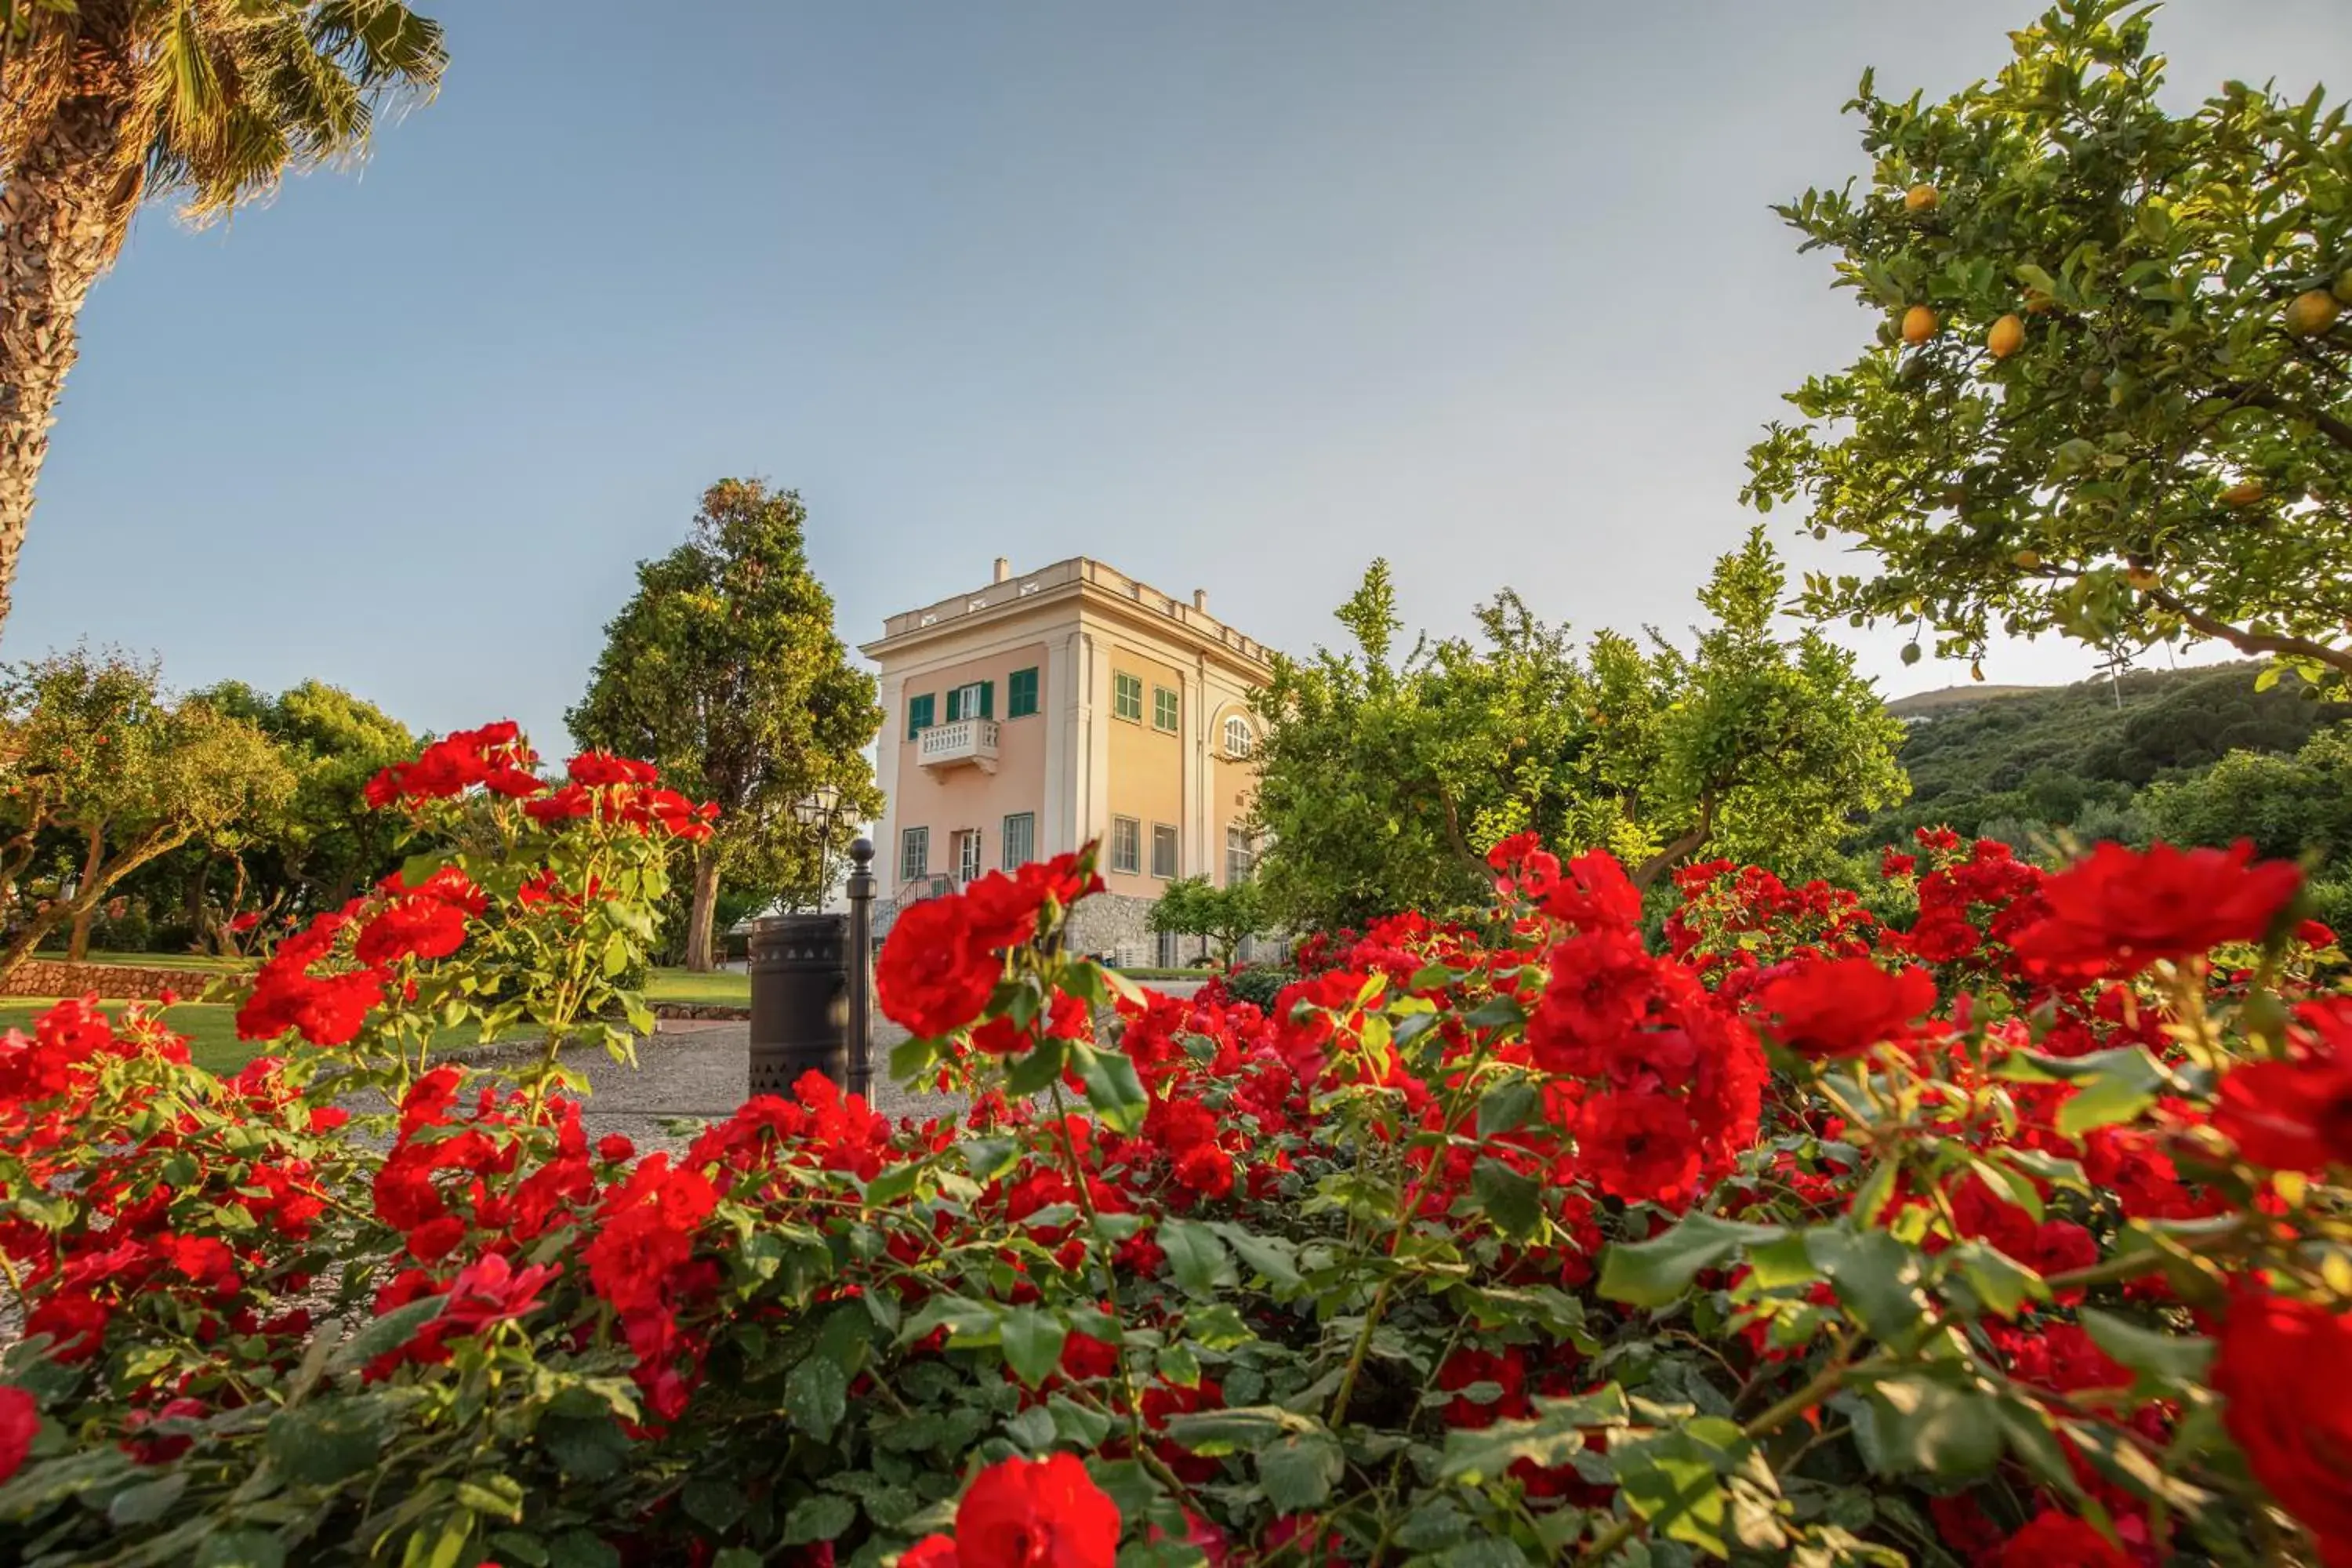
(1681, 850)
(92, 863)
(224, 934)
(701, 914)
(198, 881)
(62, 211)
(85, 898)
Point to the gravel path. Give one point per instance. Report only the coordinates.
(699, 1071)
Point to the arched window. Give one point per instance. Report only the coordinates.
(1237, 736)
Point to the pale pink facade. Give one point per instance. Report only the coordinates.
(1056, 707)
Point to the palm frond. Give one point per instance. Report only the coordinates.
(218, 99)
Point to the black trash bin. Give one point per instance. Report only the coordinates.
(800, 1000)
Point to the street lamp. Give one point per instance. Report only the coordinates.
(820, 810)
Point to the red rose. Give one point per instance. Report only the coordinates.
(560, 805)
(436, 1238)
(2289, 1116)
(1205, 1169)
(2118, 911)
(2056, 1540)
(20, 1420)
(418, 927)
(931, 978)
(1842, 1007)
(75, 1321)
(1600, 986)
(1638, 1147)
(1037, 1513)
(615, 1147)
(1065, 879)
(598, 769)
(931, 1552)
(2284, 1365)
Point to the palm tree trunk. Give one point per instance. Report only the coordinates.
(61, 215)
(701, 914)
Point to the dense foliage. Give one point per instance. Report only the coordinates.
(724, 668)
(2108, 392)
(1222, 917)
(1384, 780)
(2083, 756)
(104, 773)
(2012, 1231)
(2194, 756)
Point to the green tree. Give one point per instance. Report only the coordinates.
(322, 843)
(106, 103)
(724, 669)
(2127, 411)
(1384, 780)
(2295, 807)
(98, 761)
(1225, 917)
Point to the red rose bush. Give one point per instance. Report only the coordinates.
(2011, 1228)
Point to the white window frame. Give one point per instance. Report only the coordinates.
(1239, 742)
(1175, 841)
(914, 854)
(966, 856)
(1123, 686)
(1127, 846)
(1025, 841)
(1169, 699)
(1239, 853)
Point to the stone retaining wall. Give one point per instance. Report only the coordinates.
(55, 977)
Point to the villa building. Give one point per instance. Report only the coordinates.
(1058, 706)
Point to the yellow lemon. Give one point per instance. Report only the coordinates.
(2245, 492)
(2008, 336)
(2312, 312)
(1919, 325)
(1920, 198)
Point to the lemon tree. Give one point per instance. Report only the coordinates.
(2110, 391)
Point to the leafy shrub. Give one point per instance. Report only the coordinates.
(1258, 984)
(1814, 1238)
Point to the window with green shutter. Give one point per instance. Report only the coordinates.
(1127, 696)
(918, 713)
(988, 699)
(1021, 694)
(1164, 708)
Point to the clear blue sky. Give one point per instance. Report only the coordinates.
(1236, 295)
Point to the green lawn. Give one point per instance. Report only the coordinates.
(211, 1029)
(203, 962)
(720, 988)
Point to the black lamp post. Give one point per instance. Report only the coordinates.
(820, 811)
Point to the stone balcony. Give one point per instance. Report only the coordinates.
(960, 742)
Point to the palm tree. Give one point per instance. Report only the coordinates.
(104, 103)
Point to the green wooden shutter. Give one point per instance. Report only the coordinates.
(955, 703)
(918, 715)
(988, 699)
